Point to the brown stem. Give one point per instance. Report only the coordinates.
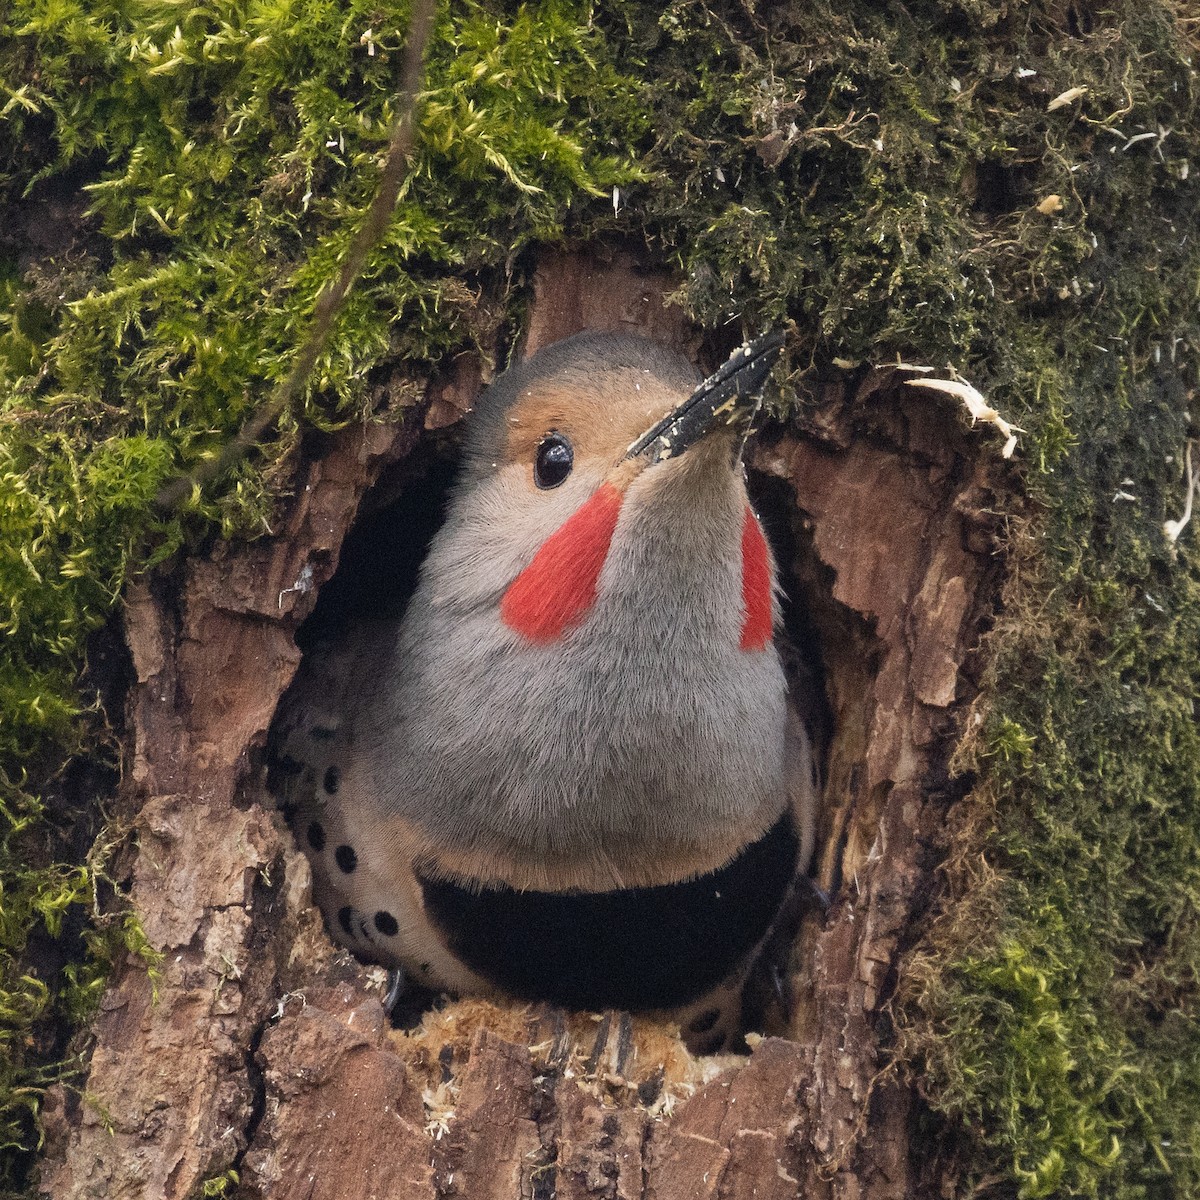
(331, 299)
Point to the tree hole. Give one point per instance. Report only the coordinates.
(882, 525)
(378, 570)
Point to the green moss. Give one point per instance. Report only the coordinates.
(871, 173)
(1095, 951)
(1053, 1011)
(226, 153)
(220, 1186)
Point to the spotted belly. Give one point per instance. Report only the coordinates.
(681, 948)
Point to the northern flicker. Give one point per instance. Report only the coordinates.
(571, 772)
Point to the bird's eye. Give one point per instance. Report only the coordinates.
(555, 458)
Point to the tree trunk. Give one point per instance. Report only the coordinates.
(1002, 996)
(268, 1053)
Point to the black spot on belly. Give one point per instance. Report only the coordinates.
(345, 858)
(386, 924)
(705, 1021)
(636, 949)
(316, 836)
(346, 920)
(333, 779)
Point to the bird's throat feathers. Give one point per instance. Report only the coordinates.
(559, 587)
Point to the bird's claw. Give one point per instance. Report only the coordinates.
(396, 984)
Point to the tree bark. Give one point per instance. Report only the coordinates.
(260, 1050)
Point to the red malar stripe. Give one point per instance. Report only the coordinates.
(756, 586)
(559, 586)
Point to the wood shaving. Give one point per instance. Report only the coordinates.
(1065, 98)
(974, 402)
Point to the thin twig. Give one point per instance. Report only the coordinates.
(330, 301)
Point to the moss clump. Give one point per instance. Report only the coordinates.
(220, 1186)
(226, 153)
(897, 181)
(1065, 1027)
(891, 178)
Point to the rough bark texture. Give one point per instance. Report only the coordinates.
(894, 520)
(171, 1090)
(268, 1053)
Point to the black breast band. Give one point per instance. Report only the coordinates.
(636, 949)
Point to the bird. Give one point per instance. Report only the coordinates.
(571, 772)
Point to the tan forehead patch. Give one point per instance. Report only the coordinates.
(601, 419)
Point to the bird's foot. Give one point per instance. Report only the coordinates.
(397, 983)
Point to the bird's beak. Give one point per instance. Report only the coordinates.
(727, 398)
